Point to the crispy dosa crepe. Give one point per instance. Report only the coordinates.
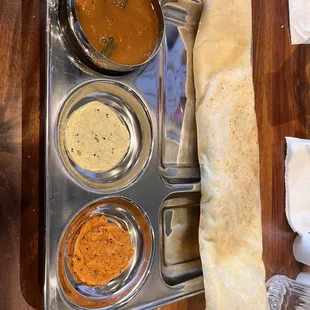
(230, 233)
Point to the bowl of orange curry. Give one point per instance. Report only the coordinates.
(117, 35)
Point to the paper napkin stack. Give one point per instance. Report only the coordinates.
(297, 179)
(300, 21)
(297, 183)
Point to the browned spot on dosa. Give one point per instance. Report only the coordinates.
(101, 252)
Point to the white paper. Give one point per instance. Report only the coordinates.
(303, 277)
(301, 249)
(297, 184)
(300, 21)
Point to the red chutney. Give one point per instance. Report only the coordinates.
(101, 252)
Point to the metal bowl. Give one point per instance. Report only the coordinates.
(124, 213)
(67, 12)
(131, 110)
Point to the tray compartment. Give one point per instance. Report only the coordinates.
(178, 146)
(126, 214)
(131, 110)
(180, 259)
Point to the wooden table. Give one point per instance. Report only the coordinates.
(282, 83)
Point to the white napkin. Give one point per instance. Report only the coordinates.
(303, 277)
(300, 21)
(297, 181)
(301, 249)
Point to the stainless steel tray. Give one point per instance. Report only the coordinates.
(158, 184)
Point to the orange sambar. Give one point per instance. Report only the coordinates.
(125, 31)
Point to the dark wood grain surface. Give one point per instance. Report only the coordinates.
(282, 84)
